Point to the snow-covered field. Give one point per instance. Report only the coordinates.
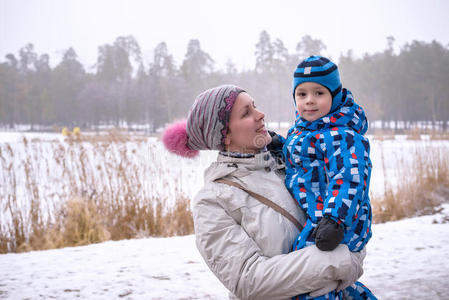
(56, 163)
(170, 174)
(406, 259)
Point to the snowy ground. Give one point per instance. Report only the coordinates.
(406, 259)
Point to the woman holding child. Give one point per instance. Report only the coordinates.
(245, 241)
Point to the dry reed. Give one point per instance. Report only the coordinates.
(120, 187)
(383, 135)
(414, 134)
(423, 185)
(95, 189)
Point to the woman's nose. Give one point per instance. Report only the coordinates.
(260, 115)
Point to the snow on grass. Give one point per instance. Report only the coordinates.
(169, 173)
(406, 259)
(409, 258)
(392, 158)
(152, 268)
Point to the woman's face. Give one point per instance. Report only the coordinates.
(246, 129)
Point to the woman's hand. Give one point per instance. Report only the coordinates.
(352, 276)
(356, 269)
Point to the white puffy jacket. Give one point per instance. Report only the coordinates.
(246, 244)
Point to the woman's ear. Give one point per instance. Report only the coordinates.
(228, 139)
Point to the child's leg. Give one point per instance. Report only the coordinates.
(358, 291)
(304, 238)
(329, 296)
(359, 234)
(357, 237)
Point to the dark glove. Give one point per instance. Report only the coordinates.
(328, 234)
(275, 147)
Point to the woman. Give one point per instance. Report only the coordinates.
(244, 242)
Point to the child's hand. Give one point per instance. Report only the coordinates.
(328, 234)
(277, 141)
(275, 147)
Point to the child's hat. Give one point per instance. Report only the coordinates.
(322, 71)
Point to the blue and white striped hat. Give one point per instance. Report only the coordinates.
(322, 71)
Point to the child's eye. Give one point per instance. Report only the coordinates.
(320, 93)
(301, 94)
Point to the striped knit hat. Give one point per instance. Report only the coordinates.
(322, 71)
(207, 123)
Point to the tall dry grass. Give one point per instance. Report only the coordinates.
(95, 189)
(423, 184)
(410, 134)
(91, 189)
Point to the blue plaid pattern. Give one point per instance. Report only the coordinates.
(328, 171)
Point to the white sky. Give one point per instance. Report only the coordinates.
(226, 29)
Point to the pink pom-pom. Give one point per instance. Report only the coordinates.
(175, 140)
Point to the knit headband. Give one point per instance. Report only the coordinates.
(207, 123)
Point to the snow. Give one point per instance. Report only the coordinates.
(399, 157)
(151, 268)
(410, 258)
(16, 137)
(405, 259)
(151, 160)
(49, 156)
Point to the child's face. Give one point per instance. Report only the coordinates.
(313, 100)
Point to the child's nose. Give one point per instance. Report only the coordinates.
(310, 99)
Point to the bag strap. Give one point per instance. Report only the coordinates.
(265, 201)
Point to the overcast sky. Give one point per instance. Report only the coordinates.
(226, 29)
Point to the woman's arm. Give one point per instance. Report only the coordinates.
(240, 265)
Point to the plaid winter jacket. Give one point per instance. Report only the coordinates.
(328, 172)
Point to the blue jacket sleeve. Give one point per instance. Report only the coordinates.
(348, 168)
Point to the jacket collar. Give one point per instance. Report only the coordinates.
(349, 114)
(238, 167)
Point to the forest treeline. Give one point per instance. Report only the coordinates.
(408, 85)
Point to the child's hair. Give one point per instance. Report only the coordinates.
(320, 70)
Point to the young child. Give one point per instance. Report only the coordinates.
(328, 166)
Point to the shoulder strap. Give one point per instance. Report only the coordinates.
(265, 201)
